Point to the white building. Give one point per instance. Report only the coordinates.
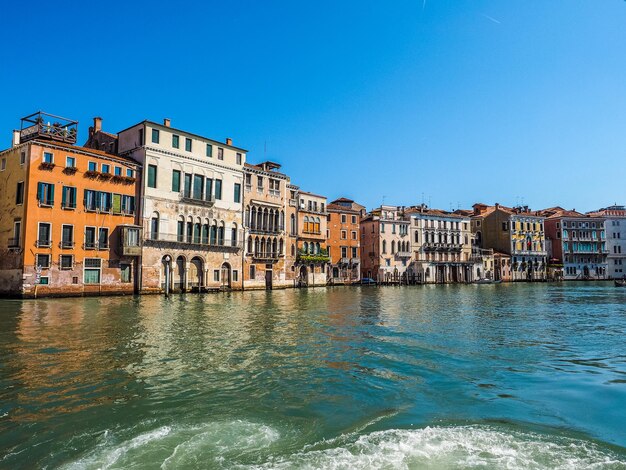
(615, 228)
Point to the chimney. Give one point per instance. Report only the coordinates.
(97, 124)
(16, 138)
(229, 141)
(497, 206)
(166, 122)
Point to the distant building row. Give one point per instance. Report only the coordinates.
(156, 209)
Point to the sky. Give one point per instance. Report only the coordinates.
(446, 102)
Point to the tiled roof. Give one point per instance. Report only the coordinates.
(78, 148)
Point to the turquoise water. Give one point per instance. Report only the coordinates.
(491, 376)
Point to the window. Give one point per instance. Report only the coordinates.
(353, 234)
(344, 234)
(45, 194)
(188, 144)
(48, 157)
(505, 226)
(125, 273)
(44, 280)
(90, 238)
(239, 159)
(237, 192)
(180, 230)
(354, 252)
(209, 189)
(354, 219)
(216, 275)
(103, 238)
(67, 236)
(198, 187)
(259, 183)
(176, 181)
(343, 218)
(22, 158)
(252, 271)
(92, 270)
(155, 136)
(129, 173)
(92, 166)
(382, 228)
(19, 193)
(154, 226)
(140, 136)
(106, 168)
(220, 153)
(344, 251)
(132, 237)
(17, 234)
(209, 150)
(152, 176)
(68, 197)
(43, 261)
(235, 276)
(175, 141)
(218, 189)
(187, 185)
(70, 162)
(117, 171)
(66, 262)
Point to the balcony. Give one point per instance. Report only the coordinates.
(66, 244)
(293, 202)
(312, 232)
(248, 188)
(355, 261)
(189, 199)
(403, 254)
(48, 127)
(13, 243)
(275, 192)
(266, 257)
(172, 240)
(266, 230)
(43, 243)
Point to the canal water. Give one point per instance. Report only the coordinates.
(491, 376)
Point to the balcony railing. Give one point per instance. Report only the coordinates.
(293, 202)
(266, 231)
(189, 199)
(13, 243)
(403, 254)
(48, 126)
(202, 242)
(43, 243)
(312, 232)
(248, 188)
(66, 244)
(272, 256)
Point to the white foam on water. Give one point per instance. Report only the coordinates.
(168, 447)
(454, 448)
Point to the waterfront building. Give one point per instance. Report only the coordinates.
(312, 252)
(517, 232)
(442, 246)
(192, 208)
(502, 267)
(344, 240)
(67, 214)
(386, 245)
(269, 223)
(615, 228)
(578, 244)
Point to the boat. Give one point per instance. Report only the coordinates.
(620, 283)
(488, 281)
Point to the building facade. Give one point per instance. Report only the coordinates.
(269, 251)
(344, 241)
(615, 228)
(578, 243)
(518, 232)
(312, 253)
(192, 208)
(67, 215)
(442, 246)
(386, 246)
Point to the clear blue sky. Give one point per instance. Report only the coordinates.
(459, 101)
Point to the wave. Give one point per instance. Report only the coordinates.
(246, 445)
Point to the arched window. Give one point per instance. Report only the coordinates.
(293, 250)
(220, 234)
(317, 248)
(180, 229)
(393, 246)
(213, 233)
(281, 225)
(257, 246)
(317, 225)
(384, 246)
(189, 229)
(253, 219)
(247, 217)
(233, 235)
(281, 247)
(197, 232)
(293, 224)
(154, 226)
(274, 248)
(205, 232)
(306, 224)
(250, 246)
(305, 247)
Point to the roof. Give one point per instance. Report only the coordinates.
(559, 213)
(311, 194)
(78, 148)
(432, 212)
(338, 208)
(258, 167)
(342, 199)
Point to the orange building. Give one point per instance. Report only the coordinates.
(312, 253)
(343, 238)
(67, 214)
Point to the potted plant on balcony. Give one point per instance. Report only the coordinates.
(70, 170)
(49, 166)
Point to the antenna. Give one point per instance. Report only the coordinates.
(384, 200)
(265, 148)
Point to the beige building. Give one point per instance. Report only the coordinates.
(191, 210)
(269, 223)
(386, 245)
(442, 247)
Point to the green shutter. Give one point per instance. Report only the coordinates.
(63, 198)
(117, 203)
(40, 191)
(51, 194)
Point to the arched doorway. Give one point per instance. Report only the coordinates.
(179, 274)
(335, 272)
(304, 276)
(196, 273)
(225, 276)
